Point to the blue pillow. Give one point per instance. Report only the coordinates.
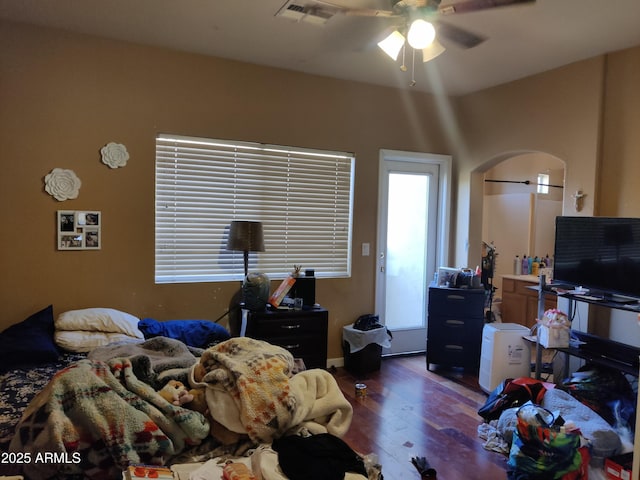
(29, 342)
(195, 333)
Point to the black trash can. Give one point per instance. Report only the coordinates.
(363, 361)
(368, 348)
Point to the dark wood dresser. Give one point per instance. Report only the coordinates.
(454, 327)
(302, 332)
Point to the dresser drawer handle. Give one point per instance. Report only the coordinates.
(455, 298)
(292, 347)
(290, 327)
(456, 323)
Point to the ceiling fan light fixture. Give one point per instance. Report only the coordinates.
(432, 51)
(421, 34)
(392, 44)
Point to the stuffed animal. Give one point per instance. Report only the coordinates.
(176, 393)
(199, 401)
(217, 430)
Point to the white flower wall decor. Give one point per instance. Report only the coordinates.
(114, 155)
(62, 184)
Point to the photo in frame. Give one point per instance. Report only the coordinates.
(79, 230)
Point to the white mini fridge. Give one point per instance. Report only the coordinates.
(504, 354)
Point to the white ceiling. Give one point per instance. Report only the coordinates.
(522, 40)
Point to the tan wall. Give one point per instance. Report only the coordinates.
(63, 96)
(586, 114)
(557, 113)
(516, 219)
(620, 163)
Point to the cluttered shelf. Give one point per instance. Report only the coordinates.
(618, 302)
(602, 351)
(593, 348)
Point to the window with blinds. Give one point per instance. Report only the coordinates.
(303, 198)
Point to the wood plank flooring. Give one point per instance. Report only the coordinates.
(409, 411)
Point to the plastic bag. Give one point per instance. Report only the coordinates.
(542, 448)
(607, 392)
(512, 392)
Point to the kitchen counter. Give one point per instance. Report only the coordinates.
(519, 302)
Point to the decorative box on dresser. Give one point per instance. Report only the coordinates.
(302, 332)
(455, 320)
(519, 302)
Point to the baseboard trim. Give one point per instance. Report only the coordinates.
(335, 362)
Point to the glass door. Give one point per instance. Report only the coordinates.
(407, 248)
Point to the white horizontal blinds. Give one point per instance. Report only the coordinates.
(303, 198)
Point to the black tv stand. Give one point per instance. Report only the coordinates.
(621, 299)
(572, 291)
(602, 351)
(590, 347)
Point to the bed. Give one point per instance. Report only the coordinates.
(90, 414)
(18, 386)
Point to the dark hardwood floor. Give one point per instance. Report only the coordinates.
(409, 411)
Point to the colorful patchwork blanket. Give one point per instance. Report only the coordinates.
(95, 418)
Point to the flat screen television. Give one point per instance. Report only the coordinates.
(599, 253)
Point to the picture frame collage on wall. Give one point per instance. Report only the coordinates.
(79, 230)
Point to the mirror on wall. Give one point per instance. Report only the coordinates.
(518, 214)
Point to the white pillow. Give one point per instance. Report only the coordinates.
(105, 320)
(79, 341)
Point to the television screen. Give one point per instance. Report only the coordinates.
(599, 253)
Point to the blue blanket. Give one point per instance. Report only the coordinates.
(195, 333)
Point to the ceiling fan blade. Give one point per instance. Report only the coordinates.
(475, 5)
(461, 37)
(368, 12)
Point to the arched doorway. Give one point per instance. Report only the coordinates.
(518, 214)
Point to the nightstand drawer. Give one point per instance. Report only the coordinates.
(301, 332)
(275, 327)
(306, 347)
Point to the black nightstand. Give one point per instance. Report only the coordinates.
(302, 332)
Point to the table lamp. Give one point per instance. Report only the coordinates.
(247, 237)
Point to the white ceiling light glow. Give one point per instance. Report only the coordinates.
(392, 44)
(432, 51)
(421, 34)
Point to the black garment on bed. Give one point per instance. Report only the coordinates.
(318, 457)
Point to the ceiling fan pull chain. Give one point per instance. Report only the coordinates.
(413, 69)
(403, 67)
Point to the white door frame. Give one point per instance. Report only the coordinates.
(443, 210)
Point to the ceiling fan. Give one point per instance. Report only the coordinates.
(420, 22)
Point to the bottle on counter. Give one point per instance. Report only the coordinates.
(525, 265)
(517, 266)
(535, 267)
